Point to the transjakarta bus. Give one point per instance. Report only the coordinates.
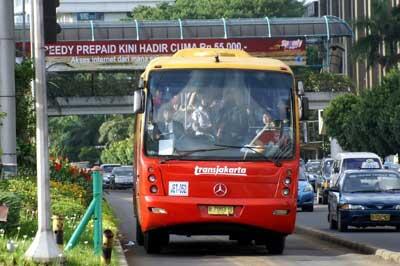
(216, 148)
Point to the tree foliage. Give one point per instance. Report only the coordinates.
(369, 122)
(116, 128)
(212, 9)
(325, 81)
(119, 152)
(25, 115)
(338, 116)
(383, 28)
(73, 136)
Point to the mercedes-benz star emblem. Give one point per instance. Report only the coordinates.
(220, 190)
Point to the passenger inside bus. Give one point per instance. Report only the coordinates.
(268, 134)
(233, 121)
(201, 116)
(168, 128)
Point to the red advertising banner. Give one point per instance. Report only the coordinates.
(135, 54)
(166, 47)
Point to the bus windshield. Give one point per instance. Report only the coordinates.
(226, 114)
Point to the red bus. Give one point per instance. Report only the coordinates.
(216, 148)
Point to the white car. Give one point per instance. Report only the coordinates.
(352, 161)
(121, 177)
(106, 170)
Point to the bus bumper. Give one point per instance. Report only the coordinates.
(162, 212)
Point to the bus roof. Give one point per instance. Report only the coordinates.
(216, 58)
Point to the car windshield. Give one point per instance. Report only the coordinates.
(220, 114)
(371, 182)
(108, 168)
(356, 163)
(313, 167)
(327, 168)
(123, 172)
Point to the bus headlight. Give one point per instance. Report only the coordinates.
(287, 181)
(152, 178)
(154, 189)
(285, 192)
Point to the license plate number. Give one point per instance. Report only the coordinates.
(180, 189)
(380, 217)
(220, 210)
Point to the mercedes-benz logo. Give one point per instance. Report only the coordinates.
(220, 190)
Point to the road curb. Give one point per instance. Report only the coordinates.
(120, 254)
(358, 247)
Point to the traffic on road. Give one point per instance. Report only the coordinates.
(363, 206)
(219, 250)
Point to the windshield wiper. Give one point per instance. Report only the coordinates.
(277, 163)
(182, 153)
(365, 191)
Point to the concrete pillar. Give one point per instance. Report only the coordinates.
(7, 84)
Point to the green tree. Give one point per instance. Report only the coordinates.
(338, 117)
(325, 81)
(383, 28)
(116, 128)
(211, 9)
(369, 122)
(25, 115)
(70, 134)
(118, 152)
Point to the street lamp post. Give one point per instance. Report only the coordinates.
(43, 248)
(7, 86)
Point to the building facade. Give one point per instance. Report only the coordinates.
(71, 11)
(352, 10)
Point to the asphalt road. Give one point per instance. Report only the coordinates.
(216, 250)
(382, 237)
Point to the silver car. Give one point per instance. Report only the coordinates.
(106, 170)
(121, 177)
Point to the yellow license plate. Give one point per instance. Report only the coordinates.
(380, 217)
(220, 210)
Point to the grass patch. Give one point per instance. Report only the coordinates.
(68, 200)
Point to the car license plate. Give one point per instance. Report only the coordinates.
(180, 189)
(380, 217)
(220, 210)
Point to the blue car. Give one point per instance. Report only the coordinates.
(305, 194)
(364, 198)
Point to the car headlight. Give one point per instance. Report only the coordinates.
(308, 188)
(397, 207)
(352, 207)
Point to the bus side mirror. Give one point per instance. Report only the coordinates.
(304, 108)
(138, 101)
(300, 88)
(141, 84)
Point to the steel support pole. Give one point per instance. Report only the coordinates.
(44, 248)
(32, 47)
(82, 225)
(98, 196)
(23, 29)
(7, 84)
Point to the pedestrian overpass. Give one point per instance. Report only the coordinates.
(94, 67)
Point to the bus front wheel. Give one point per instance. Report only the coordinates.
(275, 244)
